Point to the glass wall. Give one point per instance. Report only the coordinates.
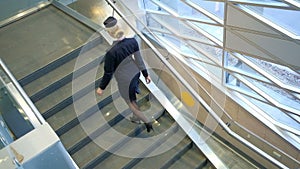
(248, 47)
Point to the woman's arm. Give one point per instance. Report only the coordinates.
(108, 71)
(140, 63)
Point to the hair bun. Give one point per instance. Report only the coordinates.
(118, 33)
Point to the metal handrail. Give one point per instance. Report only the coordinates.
(194, 93)
(35, 111)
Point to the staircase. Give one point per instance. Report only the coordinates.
(80, 129)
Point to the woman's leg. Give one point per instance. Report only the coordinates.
(136, 111)
(132, 98)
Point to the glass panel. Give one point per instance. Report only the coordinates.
(9, 8)
(232, 80)
(264, 2)
(281, 17)
(282, 73)
(152, 23)
(216, 8)
(230, 60)
(211, 52)
(278, 94)
(215, 31)
(172, 87)
(235, 64)
(181, 8)
(151, 6)
(181, 29)
(172, 40)
(184, 48)
(186, 11)
(14, 123)
(275, 113)
(217, 71)
(196, 54)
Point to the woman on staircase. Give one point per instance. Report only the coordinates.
(124, 61)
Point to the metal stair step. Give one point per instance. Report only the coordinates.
(96, 151)
(167, 158)
(42, 82)
(193, 158)
(92, 123)
(64, 96)
(164, 122)
(59, 77)
(59, 61)
(72, 117)
(84, 109)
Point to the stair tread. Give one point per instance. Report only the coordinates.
(54, 98)
(87, 126)
(191, 159)
(51, 77)
(62, 117)
(105, 139)
(133, 147)
(124, 127)
(69, 113)
(85, 154)
(92, 123)
(64, 92)
(159, 160)
(84, 105)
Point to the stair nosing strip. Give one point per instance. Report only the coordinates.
(175, 157)
(150, 149)
(83, 116)
(49, 67)
(202, 164)
(99, 131)
(54, 64)
(94, 134)
(117, 145)
(63, 81)
(114, 148)
(69, 100)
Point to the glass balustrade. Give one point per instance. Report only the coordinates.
(13, 119)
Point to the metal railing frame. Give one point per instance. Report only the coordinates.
(34, 110)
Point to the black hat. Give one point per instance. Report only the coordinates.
(110, 22)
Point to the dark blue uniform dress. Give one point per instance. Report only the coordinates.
(125, 62)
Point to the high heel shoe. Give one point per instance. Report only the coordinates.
(149, 127)
(135, 119)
